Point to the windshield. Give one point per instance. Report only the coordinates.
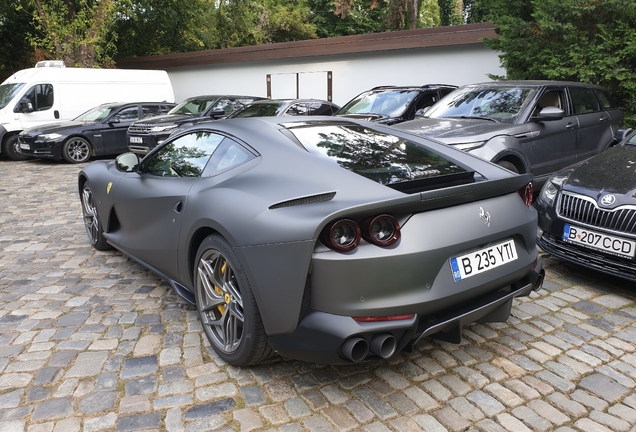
(632, 140)
(383, 158)
(96, 114)
(500, 103)
(390, 103)
(193, 107)
(8, 92)
(267, 109)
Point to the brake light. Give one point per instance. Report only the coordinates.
(382, 230)
(526, 193)
(342, 235)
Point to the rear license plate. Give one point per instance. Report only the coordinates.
(25, 147)
(482, 260)
(136, 140)
(594, 240)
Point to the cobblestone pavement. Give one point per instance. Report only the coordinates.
(92, 341)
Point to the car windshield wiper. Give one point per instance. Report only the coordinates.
(478, 118)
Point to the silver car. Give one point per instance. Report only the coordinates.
(537, 127)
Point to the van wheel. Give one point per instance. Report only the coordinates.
(509, 166)
(11, 150)
(76, 150)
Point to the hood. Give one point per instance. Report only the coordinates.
(456, 130)
(58, 127)
(611, 172)
(168, 119)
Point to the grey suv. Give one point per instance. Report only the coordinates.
(533, 127)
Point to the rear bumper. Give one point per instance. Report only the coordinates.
(325, 338)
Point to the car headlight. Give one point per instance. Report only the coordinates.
(162, 128)
(551, 189)
(49, 137)
(469, 145)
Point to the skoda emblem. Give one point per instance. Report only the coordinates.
(608, 200)
(484, 215)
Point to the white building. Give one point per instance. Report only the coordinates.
(335, 69)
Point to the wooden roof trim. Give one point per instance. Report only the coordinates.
(398, 40)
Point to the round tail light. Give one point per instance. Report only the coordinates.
(342, 235)
(526, 194)
(382, 230)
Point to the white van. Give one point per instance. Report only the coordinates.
(51, 93)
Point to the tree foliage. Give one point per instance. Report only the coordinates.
(15, 31)
(579, 40)
(76, 31)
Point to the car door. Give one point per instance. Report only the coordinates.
(551, 143)
(111, 138)
(150, 204)
(595, 131)
(41, 99)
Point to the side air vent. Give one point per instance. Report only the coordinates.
(305, 200)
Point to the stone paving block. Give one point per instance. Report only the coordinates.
(531, 419)
(548, 412)
(465, 409)
(586, 425)
(382, 409)
(450, 419)
(614, 423)
(511, 423)
(603, 387)
(486, 403)
(623, 412)
(361, 413)
(588, 400)
(567, 405)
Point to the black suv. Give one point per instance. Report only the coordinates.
(144, 135)
(391, 105)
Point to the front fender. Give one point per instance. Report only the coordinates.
(503, 147)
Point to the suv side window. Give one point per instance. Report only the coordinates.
(298, 109)
(151, 110)
(40, 96)
(606, 100)
(551, 98)
(584, 101)
(230, 105)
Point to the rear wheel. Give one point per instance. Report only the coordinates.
(91, 220)
(76, 150)
(11, 149)
(509, 166)
(226, 305)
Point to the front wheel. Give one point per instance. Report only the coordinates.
(11, 149)
(226, 305)
(91, 220)
(76, 150)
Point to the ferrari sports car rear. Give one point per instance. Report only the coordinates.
(322, 239)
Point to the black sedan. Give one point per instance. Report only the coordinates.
(321, 238)
(99, 131)
(587, 213)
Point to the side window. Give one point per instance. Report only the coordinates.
(551, 98)
(40, 96)
(584, 101)
(297, 110)
(186, 156)
(127, 114)
(231, 105)
(606, 100)
(151, 110)
(228, 155)
(319, 109)
(426, 101)
(165, 108)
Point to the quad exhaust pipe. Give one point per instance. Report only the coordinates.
(357, 349)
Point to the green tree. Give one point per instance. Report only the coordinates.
(592, 41)
(76, 31)
(348, 17)
(15, 32)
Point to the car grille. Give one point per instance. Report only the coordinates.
(577, 208)
(139, 128)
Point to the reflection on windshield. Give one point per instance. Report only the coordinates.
(387, 103)
(503, 104)
(194, 107)
(258, 110)
(8, 92)
(383, 158)
(94, 115)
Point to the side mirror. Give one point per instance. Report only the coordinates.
(551, 113)
(218, 113)
(114, 120)
(24, 106)
(621, 134)
(127, 162)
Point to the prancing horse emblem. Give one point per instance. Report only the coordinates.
(484, 215)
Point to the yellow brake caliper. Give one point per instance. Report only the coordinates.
(218, 290)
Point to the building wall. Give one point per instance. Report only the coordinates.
(352, 73)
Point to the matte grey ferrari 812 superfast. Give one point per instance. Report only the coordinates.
(323, 239)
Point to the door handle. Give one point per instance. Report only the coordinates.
(178, 207)
(603, 119)
(570, 126)
(56, 114)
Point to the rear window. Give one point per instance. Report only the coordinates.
(383, 158)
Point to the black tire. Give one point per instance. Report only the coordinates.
(509, 166)
(92, 222)
(12, 151)
(226, 305)
(76, 150)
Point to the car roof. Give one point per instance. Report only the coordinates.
(214, 97)
(531, 83)
(121, 104)
(422, 87)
